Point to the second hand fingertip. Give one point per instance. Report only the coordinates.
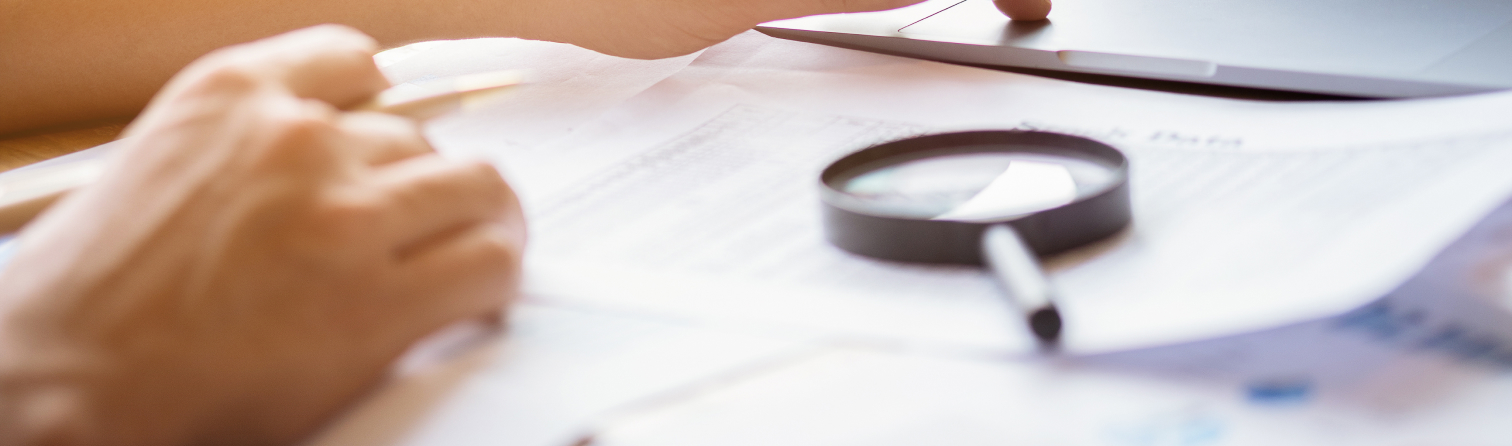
(1024, 10)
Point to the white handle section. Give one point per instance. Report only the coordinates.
(1019, 272)
(1016, 268)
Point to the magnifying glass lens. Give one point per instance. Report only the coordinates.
(974, 186)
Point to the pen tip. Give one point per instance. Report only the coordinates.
(1046, 324)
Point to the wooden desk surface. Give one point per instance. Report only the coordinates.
(22, 149)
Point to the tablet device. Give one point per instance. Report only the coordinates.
(1365, 48)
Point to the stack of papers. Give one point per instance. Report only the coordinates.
(697, 198)
(1297, 261)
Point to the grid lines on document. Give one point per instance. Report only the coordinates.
(734, 197)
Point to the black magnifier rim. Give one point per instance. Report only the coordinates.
(1091, 217)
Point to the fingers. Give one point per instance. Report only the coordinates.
(330, 63)
(1024, 10)
(379, 138)
(466, 238)
(469, 272)
(428, 195)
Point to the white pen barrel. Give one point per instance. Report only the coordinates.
(24, 194)
(1019, 273)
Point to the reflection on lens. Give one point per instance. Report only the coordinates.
(1024, 187)
(981, 186)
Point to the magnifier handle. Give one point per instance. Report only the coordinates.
(1019, 273)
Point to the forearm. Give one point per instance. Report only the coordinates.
(70, 60)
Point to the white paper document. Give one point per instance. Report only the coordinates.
(698, 198)
(876, 398)
(1429, 364)
(565, 86)
(555, 371)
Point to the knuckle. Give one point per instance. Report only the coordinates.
(486, 175)
(500, 252)
(298, 128)
(475, 181)
(351, 215)
(488, 185)
(345, 34)
(224, 74)
(483, 170)
(388, 129)
(298, 124)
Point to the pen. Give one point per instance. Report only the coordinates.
(25, 194)
(1023, 281)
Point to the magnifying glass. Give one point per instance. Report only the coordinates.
(999, 198)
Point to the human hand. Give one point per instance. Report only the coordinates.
(253, 261)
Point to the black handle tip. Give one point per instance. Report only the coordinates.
(1046, 324)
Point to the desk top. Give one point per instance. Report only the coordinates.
(18, 150)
